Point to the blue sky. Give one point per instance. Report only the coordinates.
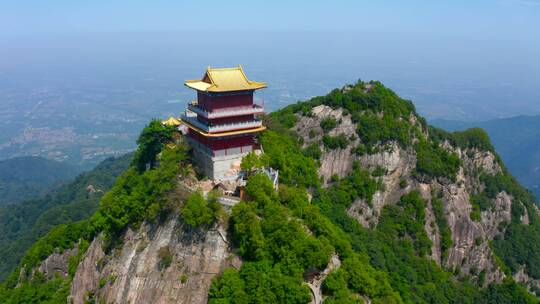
(517, 18)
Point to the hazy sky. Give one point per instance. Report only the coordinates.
(488, 18)
(470, 59)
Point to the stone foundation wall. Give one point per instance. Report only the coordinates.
(218, 167)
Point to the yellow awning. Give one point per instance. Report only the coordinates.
(224, 80)
(171, 121)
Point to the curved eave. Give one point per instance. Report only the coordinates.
(207, 87)
(220, 134)
(171, 121)
(198, 85)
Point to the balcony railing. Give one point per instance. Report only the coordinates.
(191, 119)
(226, 112)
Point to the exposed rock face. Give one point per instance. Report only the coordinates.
(398, 165)
(522, 277)
(431, 228)
(337, 161)
(162, 263)
(470, 251)
(57, 263)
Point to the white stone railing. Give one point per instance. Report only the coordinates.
(223, 127)
(226, 112)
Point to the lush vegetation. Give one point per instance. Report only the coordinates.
(23, 178)
(507, 134)
(520, 243)
(474, 138)
(22, 224)
(396, 247)
(285, 236)
(434, 161)
(137, 196)
(335, 142)
(198, 211)
(398, 244)
(284, 154)
(373, 129)
(269, 233)
(442, 224)
(134, 197)
(362, 96)
(328, 124)
(276, 248)
(251, 162)
(150, 144)
(313, 151)
(358, 184)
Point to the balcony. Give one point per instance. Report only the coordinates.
(226, 112)
(191, 118)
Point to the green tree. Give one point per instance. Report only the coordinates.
(252, 161)
(196, 211)
(328, 124)
(228, 289)
(151, 142)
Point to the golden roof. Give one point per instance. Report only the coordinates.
(171, 121)
(224, 80)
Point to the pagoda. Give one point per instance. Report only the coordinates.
(223, 122)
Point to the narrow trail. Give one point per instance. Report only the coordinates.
(316, 283)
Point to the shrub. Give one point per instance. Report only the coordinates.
(475, 214)
(373, 129)
(151, 142)
(102, 282)
(284, 154)
(253, 161)
(442, 224)
(313, 151)
(328, 124)
(335, 142)
(378, 172)
(434, 161)
(473, 138)
(402, 183)
(183, 278)
(196, 212)
(165, 257)
(360, 150)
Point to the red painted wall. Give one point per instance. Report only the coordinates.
(219, 144)
(219, 102)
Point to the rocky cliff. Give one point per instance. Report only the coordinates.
(373, 206)
(166, 262)
(470, 251)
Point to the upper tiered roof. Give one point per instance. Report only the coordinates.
(224, 80)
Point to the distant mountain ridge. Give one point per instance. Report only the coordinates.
(22, 178)
(516, 139)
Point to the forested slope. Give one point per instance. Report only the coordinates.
(372, 201)
(21, 224)
(22, 178)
